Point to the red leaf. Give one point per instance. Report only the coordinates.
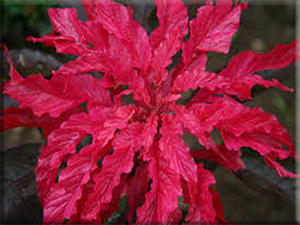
(149, 131)
(108, 209)
(62, 202)
(101, 123)
(119, 67)
(248, 62)
(65, 22)
(73, 37)
(61, 142)
(218, 207)
(162, 200)
(118, 20)
(13, 73)
(13, 117)
(175, 150)
(228, 158)
(264, 130)
(194, 125)
(270, 160)
(241, 126)
(60, 93)
(242, 87)
(136, 189)
(125, 144)
(241, 67)
(202, 96)
(63, 44)
(212, 29)
(166, 40)
(194, 76)
(111, 64)
(56, 95)
(113, 205)
(201, 209)
(237, 78)
(145, 136)
(171, 15)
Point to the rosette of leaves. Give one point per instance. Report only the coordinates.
(137, 149)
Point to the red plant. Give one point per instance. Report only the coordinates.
(138, 149)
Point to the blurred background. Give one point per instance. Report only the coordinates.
(254, 196)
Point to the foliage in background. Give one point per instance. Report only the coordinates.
(20, 19)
